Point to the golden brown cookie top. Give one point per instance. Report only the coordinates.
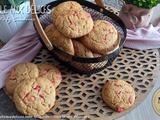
(68, 5)
(49, 31)
(97, 55)
(102, 38)
(116, 45)
(74, 23)
(62, 42)
(118, 94)
(34, 97)
(59, 40)
(81, 50)
(18, 73)
(50, 71)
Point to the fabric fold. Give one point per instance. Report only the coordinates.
(143, 38)
(23, 47)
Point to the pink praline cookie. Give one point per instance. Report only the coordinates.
(68, 5)
(118, 94)
(74, 23)
(19, 73)
(102, 39)
(51, 72)
(35, 96)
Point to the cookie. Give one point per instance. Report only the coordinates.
(81, 50)
(96, 55)
(50, 71)
(74, 23)
(59, 40)
(62, 42)
(116, 46)
(102, 39)
(34, 97)
(113, 49)
(18, 73)
(49, 31)
(68, 5)
(118, 94)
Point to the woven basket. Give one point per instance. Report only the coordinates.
(78, 64)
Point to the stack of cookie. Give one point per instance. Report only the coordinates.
(74, 31)
(33, 87)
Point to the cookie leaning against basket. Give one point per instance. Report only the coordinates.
(84, 52)
(59, 40)
(102, 39)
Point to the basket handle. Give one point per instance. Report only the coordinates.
(39, 27)
(100, 3)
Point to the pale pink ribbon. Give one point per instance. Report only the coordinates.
(143, 38)
(23, 47)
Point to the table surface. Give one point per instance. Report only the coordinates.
(144, 111)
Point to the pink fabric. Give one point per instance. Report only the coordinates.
(23, 47)
(139, 16)
(143, 38)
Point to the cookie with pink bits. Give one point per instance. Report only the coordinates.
(51, 72)
(74, 23)
(34, 97)
(19, 73)
(68, 5)
(102, 39)
(118, 94)
(62, 42)
(59, 40)
(49, 31)
(81, 50)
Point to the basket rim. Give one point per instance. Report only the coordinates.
(98, 9)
